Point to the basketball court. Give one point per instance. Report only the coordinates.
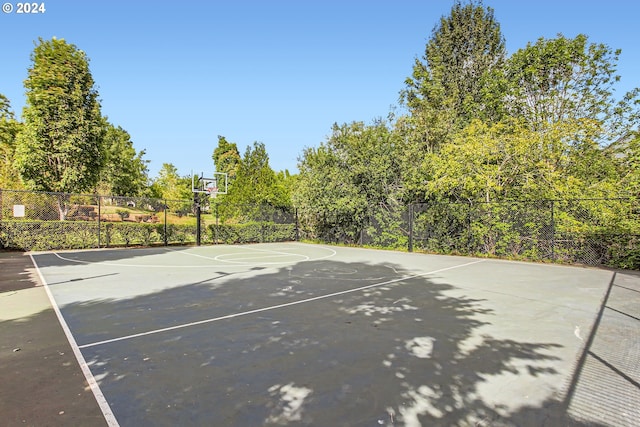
(301, 334)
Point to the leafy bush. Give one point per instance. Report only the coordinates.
(252, 232)
(50, 235)
(181, 233)
(122, 213)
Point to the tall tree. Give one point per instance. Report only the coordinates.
(256, 183)
(170, 185)
(627, 154)
(125, 171)
(61, 146)
(509, 160)
(9, 129)
(457, 79)
(561, 79)
(226, 158)
(354, 175)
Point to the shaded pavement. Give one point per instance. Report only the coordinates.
(43, 385)
(41, 382)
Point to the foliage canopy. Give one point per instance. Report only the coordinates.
(61, 146)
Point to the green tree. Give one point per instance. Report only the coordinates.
(352, 178)
(324, 187)
(226, 158)
(9, 129)
(509, 160)
(288, 183)
(627, 153)
(256, 183)
(170, 185)
(561, 79)
(61, 146)
(125, 171)
(458, 78)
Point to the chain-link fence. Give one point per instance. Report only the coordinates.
(583, 231)
(240, 223)
(384, 225)
(507, 229)
(43, 221)
(587, 231)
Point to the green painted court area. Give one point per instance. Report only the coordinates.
(301, 334)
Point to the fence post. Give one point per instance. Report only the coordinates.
(2, 244)
(196, 200)
(469, 228)
(297, 225)
(215, 234)
(553, 231)
(410, 248)
(165, 208)
(99, 215)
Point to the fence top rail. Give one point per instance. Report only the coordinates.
(415, 203)
(505, 201)
(102, 196)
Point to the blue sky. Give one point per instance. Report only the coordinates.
(176, 75)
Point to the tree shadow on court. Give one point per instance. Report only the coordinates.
(318, 343)
(41, 382)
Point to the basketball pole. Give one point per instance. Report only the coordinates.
(196, 201)
(209, 186)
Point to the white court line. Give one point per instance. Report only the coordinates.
(93, 384)
(224, 263)
(253, 256)
(219, 258)
(118, 264)
(274, 307)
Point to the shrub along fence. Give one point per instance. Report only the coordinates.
(582, 231)
(32, 220)
(250, 223)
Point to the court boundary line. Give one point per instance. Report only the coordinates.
(115, 264)
(273, 253)
(102, 402)
(274, 307)
(223, 263)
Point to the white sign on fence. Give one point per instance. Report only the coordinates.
(18, 211)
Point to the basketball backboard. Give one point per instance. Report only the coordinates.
(217, 184)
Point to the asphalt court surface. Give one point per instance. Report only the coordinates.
(297, 334)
